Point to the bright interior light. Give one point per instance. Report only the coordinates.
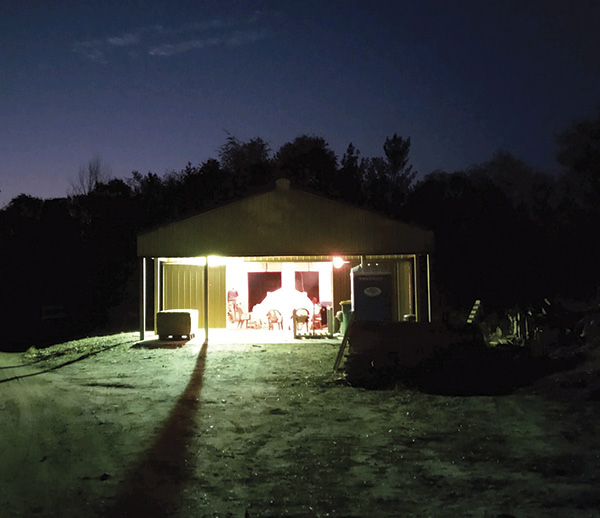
(217, 260)
(196, 261)
(338, 262)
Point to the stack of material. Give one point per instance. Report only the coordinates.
(383, 352)
(177, 323)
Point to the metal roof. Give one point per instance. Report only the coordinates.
(283, 222)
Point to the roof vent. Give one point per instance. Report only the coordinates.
(282, 184)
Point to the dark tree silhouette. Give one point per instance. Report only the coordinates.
(308, 162)
(397, 151)
(579, 209)
(350, 177)
(388, 180)
(202, 187)
(579, 154)
(504, 232)
(247, 163)
(94, 173)
(149, 193)
(532, 193)
(481, 251)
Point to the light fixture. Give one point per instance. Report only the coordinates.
(338, 262)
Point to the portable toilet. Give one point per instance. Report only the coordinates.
(372, 293)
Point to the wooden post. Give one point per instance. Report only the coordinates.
(416, 284)
(206, 301)
(428, 289)
(142, 298)
(342, 348)
(158, 293)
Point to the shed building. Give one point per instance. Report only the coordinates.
(284, 238)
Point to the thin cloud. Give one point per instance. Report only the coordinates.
(170, 49)
(97, 49)
(124, 41)
(157, 40)
(91, 49)
(236, 39)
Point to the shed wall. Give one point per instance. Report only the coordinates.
(183, 288)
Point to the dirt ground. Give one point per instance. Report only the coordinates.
(109, 427)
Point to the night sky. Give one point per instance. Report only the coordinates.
(152, 85)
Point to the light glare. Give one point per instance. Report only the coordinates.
(338, 262)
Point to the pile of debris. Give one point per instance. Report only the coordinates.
(486, 355)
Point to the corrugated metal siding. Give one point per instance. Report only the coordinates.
(421, 288)
(183, 288)
(404, 280)
(341, 284)
(217, 297)
(285, 222)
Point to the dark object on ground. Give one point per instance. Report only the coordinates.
(435, 358)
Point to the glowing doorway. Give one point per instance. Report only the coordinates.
(306, 284)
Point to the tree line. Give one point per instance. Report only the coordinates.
(505, 232)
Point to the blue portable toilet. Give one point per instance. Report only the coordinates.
(372, 293)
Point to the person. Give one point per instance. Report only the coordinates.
(232, 305)
(232, 295)
(339, 318)
(316, 314)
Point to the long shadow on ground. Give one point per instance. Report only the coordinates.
(153, 488)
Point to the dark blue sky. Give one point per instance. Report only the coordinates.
(151, 85)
